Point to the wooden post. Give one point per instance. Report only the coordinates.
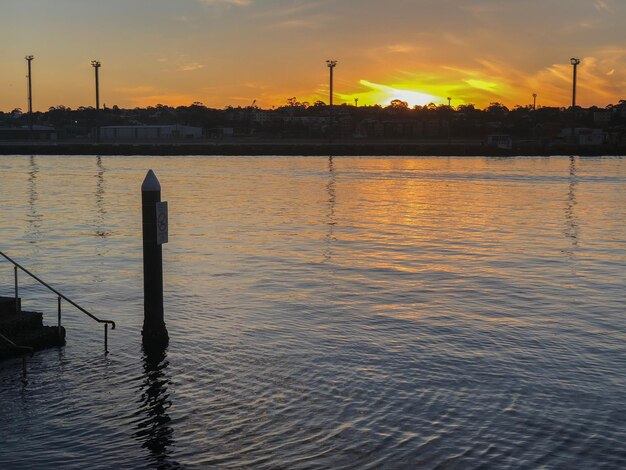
(154, 330)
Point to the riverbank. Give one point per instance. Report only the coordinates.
(294, 148)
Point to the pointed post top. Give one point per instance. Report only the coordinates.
(151, 182)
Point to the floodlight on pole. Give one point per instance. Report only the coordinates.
(29, 59)
(331, 65)
(575, 63)
(96, 65)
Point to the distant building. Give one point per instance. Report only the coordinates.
(602, 117)
(592, 137)
(220, 132)
(501, 141)
(24, 133)
(261, 116)
(150, 132)
(585, 136)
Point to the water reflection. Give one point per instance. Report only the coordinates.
(445, 320)
(33, 218)
(154, 429)
(571, 221)
(330, 215)
(100, 194)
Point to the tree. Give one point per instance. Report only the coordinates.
(398, 104)
(497, 108)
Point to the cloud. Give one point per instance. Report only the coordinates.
(399, 48)
(297, 24)
(602, 6)
(481, 84)
(312, 21)
(149, 95)
(239, 3)
(135, 90)
(600, 79)
(191, 67)
(165, 99)
(295, 10)
(480, 9)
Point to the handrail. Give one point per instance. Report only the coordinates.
(60, 296)
(30, 351)
(27, 348)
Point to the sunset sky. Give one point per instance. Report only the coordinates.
(232, 52)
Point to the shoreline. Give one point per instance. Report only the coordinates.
(364, 149)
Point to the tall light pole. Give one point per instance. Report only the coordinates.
(449, 120)
(575, 62)
(331, 65)
(96, 65)
(533, 129)
(29, 59)
(356, 102)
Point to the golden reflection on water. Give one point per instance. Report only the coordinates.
(331, 218)
(571, 229)
(377, 298)
(33, 231)
(100, 198)
(419, 219)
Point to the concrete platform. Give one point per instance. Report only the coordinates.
(25, 329)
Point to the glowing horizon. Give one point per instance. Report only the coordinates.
(226, 52)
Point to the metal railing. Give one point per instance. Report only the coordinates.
(60, 297)
(30, 351)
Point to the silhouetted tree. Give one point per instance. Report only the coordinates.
(398, 104)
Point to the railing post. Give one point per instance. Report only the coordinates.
(59, 315)
(106, 338)
(17, 307)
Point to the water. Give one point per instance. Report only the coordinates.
(345, 313)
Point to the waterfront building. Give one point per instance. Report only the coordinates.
(156, 132)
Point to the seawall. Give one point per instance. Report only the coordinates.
(304, 149)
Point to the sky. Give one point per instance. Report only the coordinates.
(233, 52)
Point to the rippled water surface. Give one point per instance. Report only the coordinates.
(324, 313)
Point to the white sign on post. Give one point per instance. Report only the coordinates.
(161, 222)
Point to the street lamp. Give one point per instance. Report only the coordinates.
(575, 62)
(331, 65)
(534, 101)
(96, 66)
(29, 59)
(449, 102)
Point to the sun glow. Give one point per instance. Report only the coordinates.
(385, 94)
